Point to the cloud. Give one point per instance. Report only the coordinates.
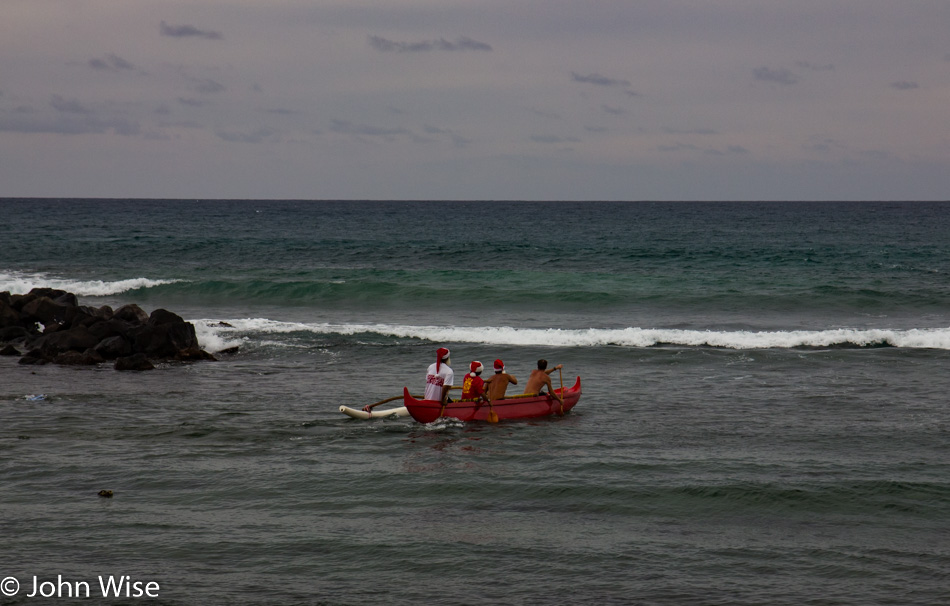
(734, 150)
(690, 131)
(111, 63)
(188, 31)
(814, 67)
(599, 80)
(457, 139)
(71, 118)
(616, 111)
(460, 44)
(677, 147)
(206, 86)
(255, 136)
(68, 106)
(549, 139)
(779, 76)
(544, 113)
(348, 128)
(904, 85)
(279, 111)
(826, 145)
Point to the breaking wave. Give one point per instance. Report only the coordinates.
(932, 338)
(22, 283)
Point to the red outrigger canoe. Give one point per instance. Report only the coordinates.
(511, 407)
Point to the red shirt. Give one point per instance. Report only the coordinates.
(472, 387)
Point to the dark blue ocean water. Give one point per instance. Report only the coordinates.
(764, 420)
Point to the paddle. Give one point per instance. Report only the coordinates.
(561, 377)
(492, 415)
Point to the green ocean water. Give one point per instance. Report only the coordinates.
(764, 416)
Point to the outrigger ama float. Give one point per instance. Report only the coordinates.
(523, 406)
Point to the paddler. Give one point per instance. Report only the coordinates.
(498, 383)
(539, 379)
(439, 377)
(473, 387)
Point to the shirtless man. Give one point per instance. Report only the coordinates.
(498, 384)
(539, 378)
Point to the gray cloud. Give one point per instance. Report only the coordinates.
(616, 111)
(110, 63)
(278, 111)
(206, 86)
(677, 147)
(824, 145)
(689, 131)
(599, 80)
(815, 67)
(544, 113)
(71, 118)
(255, 136)
(709, 151)
(460, 44)
(348, 128)
(457, 139)
(191, 102)
(68, 106)
(548, 139)
(904, 85)
(188, 31)
(779, 76)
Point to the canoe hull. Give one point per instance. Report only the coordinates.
(427, 411)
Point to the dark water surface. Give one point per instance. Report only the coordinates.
(764, 420)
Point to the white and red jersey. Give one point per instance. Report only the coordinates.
(436, 380)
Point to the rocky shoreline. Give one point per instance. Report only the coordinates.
(50, 326)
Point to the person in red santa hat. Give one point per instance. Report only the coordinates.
(439, 377)
(473, 387)
(498, 384)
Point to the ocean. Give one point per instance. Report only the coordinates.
(764, 418)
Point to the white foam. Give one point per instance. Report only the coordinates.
(934, 338)
(22, 283)
(210, 338)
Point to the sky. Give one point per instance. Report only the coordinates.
(476, 99)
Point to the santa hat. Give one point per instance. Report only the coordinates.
(476, 367)
(499, 366)
(441, 354)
